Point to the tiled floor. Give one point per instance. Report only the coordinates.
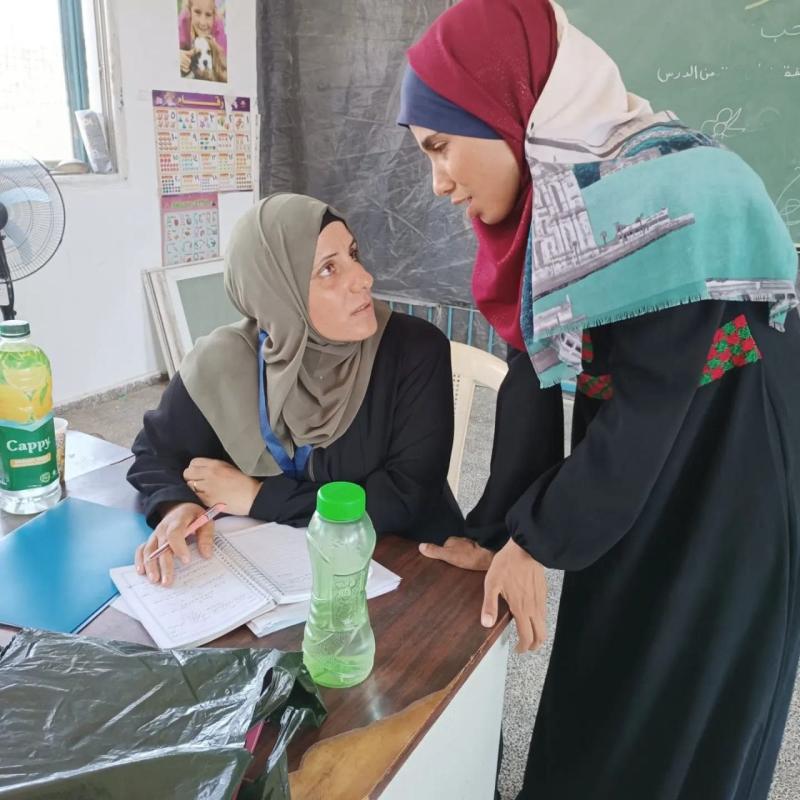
(119, 420)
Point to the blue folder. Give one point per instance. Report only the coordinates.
(54, 569)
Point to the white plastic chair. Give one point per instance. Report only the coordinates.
(471, 367)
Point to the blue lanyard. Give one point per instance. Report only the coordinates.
(293, 468)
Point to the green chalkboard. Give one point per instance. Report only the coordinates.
(728, 67)
(206, 304)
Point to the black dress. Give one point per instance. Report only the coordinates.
(676, 521)
(397, 448)
(528, 440)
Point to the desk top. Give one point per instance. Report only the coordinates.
(428, 641)
(85, 453)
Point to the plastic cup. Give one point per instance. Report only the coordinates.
(61, 426)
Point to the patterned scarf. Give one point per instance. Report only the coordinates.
(634, 213)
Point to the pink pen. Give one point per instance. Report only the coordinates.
(207, 516)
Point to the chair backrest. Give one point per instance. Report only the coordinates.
(471, 367)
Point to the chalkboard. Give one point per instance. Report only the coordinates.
(728, 67)
(206, 304)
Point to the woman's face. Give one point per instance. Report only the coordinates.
(339, 295)
(202, 16)
(480, 172)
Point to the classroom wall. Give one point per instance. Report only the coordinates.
(87, 306)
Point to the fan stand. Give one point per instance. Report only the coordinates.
(5, 272)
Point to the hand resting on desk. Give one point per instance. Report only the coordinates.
(521, 581)
(512, 574)
(460, 552)
(172, 529)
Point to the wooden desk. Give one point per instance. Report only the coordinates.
(425, 724)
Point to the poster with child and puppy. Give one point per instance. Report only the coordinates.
(202, 42)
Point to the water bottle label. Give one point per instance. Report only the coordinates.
(28, 455)
(349, 595)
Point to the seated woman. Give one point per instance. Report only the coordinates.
(318, 383)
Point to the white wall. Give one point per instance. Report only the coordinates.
(87, 306)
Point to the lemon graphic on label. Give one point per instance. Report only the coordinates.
(15, 405)
(29, 379)
(42, 401)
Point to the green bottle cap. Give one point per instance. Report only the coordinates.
(341, 502)
(15, 329)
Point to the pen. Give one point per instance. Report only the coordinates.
(206, 516)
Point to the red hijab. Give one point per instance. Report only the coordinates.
(492, 58)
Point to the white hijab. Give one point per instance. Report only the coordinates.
(584, 112)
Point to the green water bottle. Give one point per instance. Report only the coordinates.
(338, 644)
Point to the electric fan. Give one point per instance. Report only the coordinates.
(31, 221)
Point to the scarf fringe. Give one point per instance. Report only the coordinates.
(555, 374)
(630, 313)
(639, 311)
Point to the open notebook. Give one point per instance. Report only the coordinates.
(255, 572)
(380, 581)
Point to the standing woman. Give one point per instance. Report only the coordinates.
(618, 246)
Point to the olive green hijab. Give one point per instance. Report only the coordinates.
(314, 386)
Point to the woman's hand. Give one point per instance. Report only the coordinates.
(186, 61)
(460, 552)
(172, 529)
(216, 481)
(521, 581)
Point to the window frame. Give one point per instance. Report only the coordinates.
(100, 31)
(73, 42)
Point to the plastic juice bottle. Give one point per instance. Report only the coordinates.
(28, 469)
(338, 643)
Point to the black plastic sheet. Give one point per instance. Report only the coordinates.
(84, 718)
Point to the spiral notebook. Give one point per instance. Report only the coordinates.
(252, 572)
(380, 581)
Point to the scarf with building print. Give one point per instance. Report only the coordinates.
(634, 213)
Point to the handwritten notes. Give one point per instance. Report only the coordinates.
(208, 598)
(693, 73)
(788, 203)
(793, 31)
(699, 74)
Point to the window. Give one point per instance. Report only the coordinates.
(53, 63)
